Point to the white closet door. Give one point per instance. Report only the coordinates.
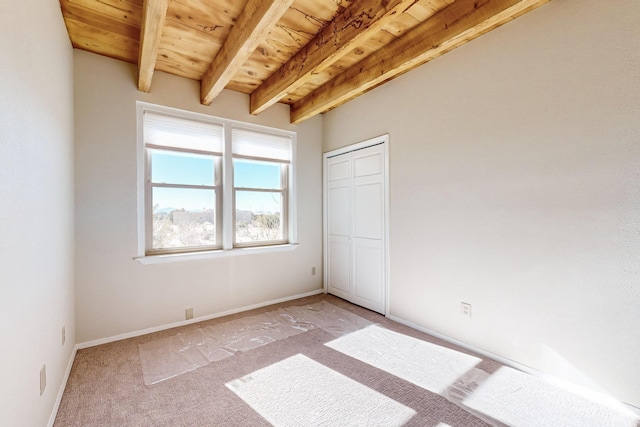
(339, 226)
(355, 226)
(367, 245)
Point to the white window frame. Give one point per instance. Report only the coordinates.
(227, 216)
(150, 185)
(284, 192)
(279, 158)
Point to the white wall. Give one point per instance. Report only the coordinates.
(36, 213)
(515, 186)
(117, 295)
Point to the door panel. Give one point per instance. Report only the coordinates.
(339, 220)
(339, 168)
(339, 226)
(368, 162)
(368, 274)
(339, 266)
(368, 212)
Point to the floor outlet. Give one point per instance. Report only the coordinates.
(188, 313)
(465, 309)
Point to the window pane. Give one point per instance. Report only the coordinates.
(173, 167)
(258, 216)
(256, 174)
(183, 217)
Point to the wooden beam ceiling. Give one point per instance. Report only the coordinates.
(459, 23)
(154, 13)
(254, 22)
(355, 25)
(311, 54)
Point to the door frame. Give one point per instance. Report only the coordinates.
(378, 140)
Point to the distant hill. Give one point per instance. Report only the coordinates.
(164, 210)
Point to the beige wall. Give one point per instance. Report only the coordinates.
(36, 209)
(515, 187)
(117, 295)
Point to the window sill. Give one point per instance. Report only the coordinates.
(191, 256)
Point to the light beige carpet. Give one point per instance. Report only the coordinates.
(106, 386)
(318, 361)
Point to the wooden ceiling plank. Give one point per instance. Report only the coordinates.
(154, 13)
(195, 43)
(124, 11)
(104, 22)
(462, 21)
(252, 26)
(102, 42)
(352, 27)
(215, 18)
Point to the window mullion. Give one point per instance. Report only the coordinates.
(148, 201)
(181, 150)
(185, 186)
(260, 190)
(292, 213)
(228, 199)
(284, 215)
(218, 170)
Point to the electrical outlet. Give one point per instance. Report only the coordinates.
(188, 313)
(64, 335)
(465, 309)
(313, 271)
(43, 378)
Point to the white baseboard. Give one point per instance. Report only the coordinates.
(578, 389)
(63, 386)
(138, 333)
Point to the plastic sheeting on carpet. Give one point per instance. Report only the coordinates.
(168, 357)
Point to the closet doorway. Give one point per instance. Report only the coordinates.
(356, 210)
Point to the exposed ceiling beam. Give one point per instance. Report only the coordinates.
(458, 23)
(249, 31)
(351, 28)
(154, 13)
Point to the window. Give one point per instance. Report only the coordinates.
(260, 177)
(183, 177)
(211, 184)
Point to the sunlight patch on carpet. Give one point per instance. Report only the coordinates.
(299, 391)
(426, 365)
(516, 398)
